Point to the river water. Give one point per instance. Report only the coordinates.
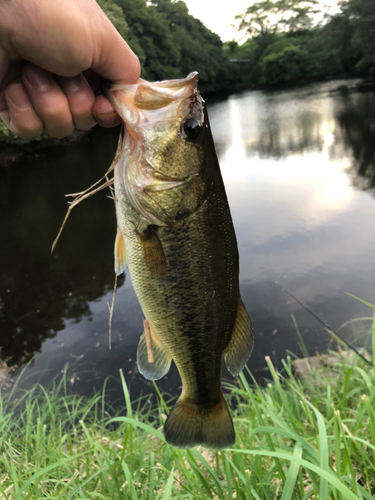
(299, 169)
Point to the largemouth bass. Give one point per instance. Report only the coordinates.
(175, 235)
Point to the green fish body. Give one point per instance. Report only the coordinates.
(176, 236)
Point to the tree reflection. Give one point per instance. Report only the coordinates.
(355, 115)
(299, 122)
(286, 125)
(39, 291)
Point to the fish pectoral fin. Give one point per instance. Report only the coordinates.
(152, 360)
(241, 343)
(152, 252)
(120, 253)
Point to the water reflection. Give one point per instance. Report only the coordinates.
(321, 118)
(292, 162)
(355, 114)
(40, 292)
(298, 219)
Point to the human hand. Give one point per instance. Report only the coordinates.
(67, 45)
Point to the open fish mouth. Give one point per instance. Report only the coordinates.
(150, 96)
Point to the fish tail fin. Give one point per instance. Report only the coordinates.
(190, 425)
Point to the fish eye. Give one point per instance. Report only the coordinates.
(192, 128)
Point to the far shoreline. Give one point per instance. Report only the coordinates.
(11, 153)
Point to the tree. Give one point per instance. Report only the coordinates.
(275, 16)
(171, 43)
(361, 15)
(149, 30)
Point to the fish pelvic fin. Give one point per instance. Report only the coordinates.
(120, 253)
(241, 343)
(190, 425)
(152, 360)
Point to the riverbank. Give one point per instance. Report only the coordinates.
(298, 437)
(13, 149)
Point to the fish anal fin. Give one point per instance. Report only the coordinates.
(120, 253)
(241, 343)
(152, 252)
(152, 360)
(190, 425)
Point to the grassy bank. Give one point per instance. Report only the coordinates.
(303, 438)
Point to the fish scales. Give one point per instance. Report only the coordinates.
(175, 224)
(174, 304)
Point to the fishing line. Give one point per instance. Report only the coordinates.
(325, 324)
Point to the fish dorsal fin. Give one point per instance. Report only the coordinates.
(153, 252)
(153, 362)
(241, 343)
(120, 253)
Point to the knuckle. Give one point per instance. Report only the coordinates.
(27, 132)
(85, 123)
(61, 132)
(82, 109)
(54, 113)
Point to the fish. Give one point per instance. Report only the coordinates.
(175, 236)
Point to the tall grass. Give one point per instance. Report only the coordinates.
(296, 439)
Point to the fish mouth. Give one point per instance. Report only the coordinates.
(130, 99)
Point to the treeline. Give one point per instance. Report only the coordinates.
(286, 45)
(169, 42)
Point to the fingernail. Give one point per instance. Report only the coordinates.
(37, 78)
(73, 84)
(17, 94)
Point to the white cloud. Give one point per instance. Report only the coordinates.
(218, 16)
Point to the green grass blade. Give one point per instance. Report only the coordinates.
(26, 485)
(329, 476)
(168, 487)
(361, 300)
(136, 423)
(292, 474)
(323, 452)
(125, 389)
(301, 342)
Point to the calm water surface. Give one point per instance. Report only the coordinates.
(299, 170)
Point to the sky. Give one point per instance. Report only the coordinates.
(218, 16)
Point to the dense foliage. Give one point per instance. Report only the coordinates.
(169, 42)
(285, 45)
